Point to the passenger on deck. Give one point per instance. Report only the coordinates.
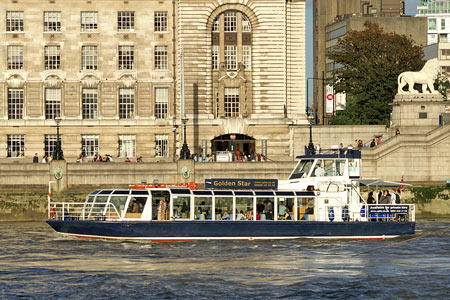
(319, 172)
(371, 199)
(384, 199)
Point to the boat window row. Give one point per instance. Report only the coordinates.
(184, 204)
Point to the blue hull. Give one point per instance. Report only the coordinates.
(165, 231)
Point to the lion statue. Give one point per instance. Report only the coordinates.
(426, 77)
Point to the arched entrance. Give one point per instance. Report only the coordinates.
(234, 145)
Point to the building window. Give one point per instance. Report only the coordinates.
(52, 21)
(431, 24)
(231, 57)
(52, 57)
(161, 58)
(162, 145)
(127, 145)
(246, 26)
(443, 24)
(89, 57)
(247, 57)
(16, 145)
(89, 21)
(216, 25)
(126, 103)
(52, 103)
(15, 57)
(90, 103)
(230, 21)
(15, 104)
(89, 145)
(14, 21)
(215, 57)
(161, 103)
(50, 144)
(125, 21)
(231, 101)
(161, 21)
(126, 57)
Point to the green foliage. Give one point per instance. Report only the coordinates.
(372, 61)
(442, 84)
(428, 193)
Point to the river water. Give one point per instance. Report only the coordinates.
(37, 263)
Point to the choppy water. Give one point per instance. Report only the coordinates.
(37, 263)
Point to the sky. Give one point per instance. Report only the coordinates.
(410, 9)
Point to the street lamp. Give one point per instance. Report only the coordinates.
(58, 153)
(311, 147)
(185, 153)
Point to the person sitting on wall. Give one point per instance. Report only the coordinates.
(127, 160)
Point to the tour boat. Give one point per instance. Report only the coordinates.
(321, 199)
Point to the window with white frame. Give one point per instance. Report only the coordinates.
(89, 145)
(15, 57)
(161, 21)
(52, 21)
(161, 58)
(125, 21)
(15, 104)
(215, 57)
(443, 24)
(162, 145)
(230, 21)
(89, 58)
(216, 25)
(89, 21)
(14, 21)
(161, 103)
(231, 57)
(90, 103)
(52, 103)
(126, 103)
(246, 26)
(52, 57)
(127, 145)
(16, 145)
(231, 102)
(126, 57)
(247, 57)
(50, 144)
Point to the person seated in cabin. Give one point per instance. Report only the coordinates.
(177, 212)
(134, 207)
(240, 216)
(287, 215)
(260, 207)
(250, 216)
(219, 214)
(226, 216)
(281, 210)
(319, 171)
(269, 215)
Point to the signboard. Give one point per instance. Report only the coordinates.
(329, 105)
(203, 148)
(223, 156)
(264, 147)
(239, 184)
(340, 101)
(389, 209)
(353, 168)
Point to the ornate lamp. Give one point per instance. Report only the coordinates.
(311, 148)
(58, 153)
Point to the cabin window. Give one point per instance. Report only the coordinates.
(99, 206)
(340, 167)
(117, 205)
(305, 208)
(181, 207)
(264, 208)
(203, 208)
(285, 208)
(88, 206)
(302, 169)
(244, 208)
(224, 208)
(135, 207)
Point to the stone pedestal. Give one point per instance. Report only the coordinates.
(185, 170)
(419, 111)
(58, 174)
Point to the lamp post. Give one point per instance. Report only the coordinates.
(311, 147)
(58, 153)
(185, 153)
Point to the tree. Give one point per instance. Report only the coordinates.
(371, 61)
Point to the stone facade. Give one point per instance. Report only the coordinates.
(113, 69)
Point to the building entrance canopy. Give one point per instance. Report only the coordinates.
(235, 146)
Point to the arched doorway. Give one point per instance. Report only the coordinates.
(234, 145)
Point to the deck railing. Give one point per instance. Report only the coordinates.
(82, 211)
(388, 212)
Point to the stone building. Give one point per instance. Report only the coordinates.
(112, 70)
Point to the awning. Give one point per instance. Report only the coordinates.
(379, 182)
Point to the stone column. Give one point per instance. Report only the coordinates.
(58, 173)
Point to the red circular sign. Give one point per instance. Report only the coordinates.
(330, 97)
